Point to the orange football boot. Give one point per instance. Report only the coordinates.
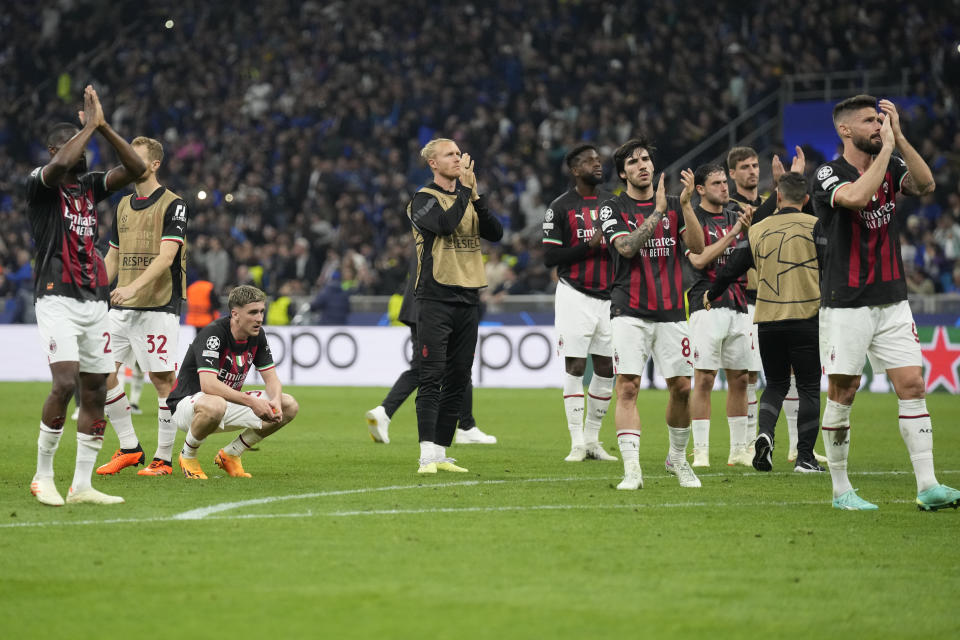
(121, 460)
(156, 468)
(231, 464)
(191, 468)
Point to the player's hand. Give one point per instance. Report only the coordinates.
(88, 108)
(776, 169)
(467, 177)
(262, 409)
(595, 239)
(799, 163)
(277, 407)
(706, 301)
(890, 114)
(745, 218)
(92, 108)
(660, 200)
(123, 294)
(686, 177)
(886, 133)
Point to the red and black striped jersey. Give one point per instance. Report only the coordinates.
(570, 222)
(215, 350)
(862, 265)
(64, 223)
(715, 227)
(650, 284)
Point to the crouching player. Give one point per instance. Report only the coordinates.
(208, 396)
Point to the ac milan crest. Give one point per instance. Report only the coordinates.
(425, 351)
(53, 346)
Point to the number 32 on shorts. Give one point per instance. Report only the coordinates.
(156, 343)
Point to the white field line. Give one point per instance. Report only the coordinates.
(390, 512)
(208, 513)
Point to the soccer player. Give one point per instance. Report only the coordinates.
(378, 418)
(71, 293)
(208, 393)
(644, 230)
(720, 336)
(147, 251)
(448, 218)
(575, 245)
(743, 166)
(864, 294)
(783, 249)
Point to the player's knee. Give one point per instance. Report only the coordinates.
(911, 388)
(703, 380)
(679, 389)
(163, 382)
(63, 388)
(211, 408)
(736, 378)
(627, 388)
(603, 366)
(290, 406)
(576, 366)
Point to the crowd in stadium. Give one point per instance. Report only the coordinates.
(292, 128)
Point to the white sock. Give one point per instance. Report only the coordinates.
(47, 445)
(242, 442)
(701, 434)
(88, 447)
(118, 411)
(439, 453)
(752, 417)
(190, 445)
(679, 436)
(629, 442)
(426, 451)
(791, 408)
(136, 386)
(166, 431)
(738, 432)
(598, 400)
(836, 441)
(573, 406)
(917, 432)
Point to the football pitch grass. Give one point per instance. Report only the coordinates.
(335, 536)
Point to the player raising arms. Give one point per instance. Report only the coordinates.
(574, 244)
(864, 305)
(208, 394)
(646, 302)
(147, 250)
(71, 292)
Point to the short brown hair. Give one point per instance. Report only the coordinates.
(738, 155)
(154, 148)
(243, 295)
(792, 187)
(862, 101)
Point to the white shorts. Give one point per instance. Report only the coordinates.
(886, 334)
(582, 323)
(235, 418)
(147, 338)
(75, 331)
(756, 364)
(635, 340)
(721, 340)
